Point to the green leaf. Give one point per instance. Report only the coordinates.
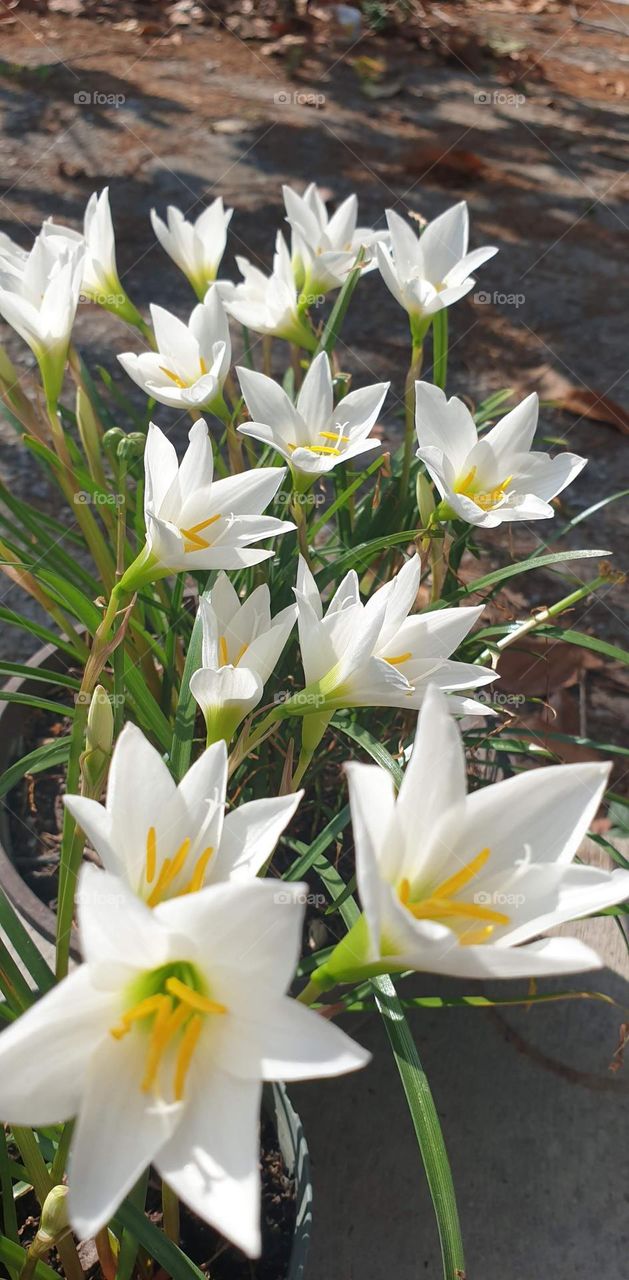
(375, 749)
(39, 673)
(14, 1258)
(32, 700)
(523, 566)
(181, 749)
(334, 323)
(157, 1245)
(319, 845)
(365, 551)
(45, 757)
(21, 940)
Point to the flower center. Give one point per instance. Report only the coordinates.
(169, 1005)
(441, 904)
(179, 382)
(194, 542)
(223, 652)
(486, 499)
(171, 868)
(323, 449)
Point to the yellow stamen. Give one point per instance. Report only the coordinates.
(464, 485)
(473, 937)
(404, 892)
(193, 998)
(485, 500)
(174, 377)
(169, 870)
(223, 655)
(333, 435)
(402, 657)
(196, 543)
(458, 881)
(198, 874)
(151, 855)
(435, 908)
(186, 1050)
(160, 1036)
(142, 1010)
(203, 366)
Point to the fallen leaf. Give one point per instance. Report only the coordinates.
(589, 404)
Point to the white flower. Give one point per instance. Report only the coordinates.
(241, 646)
(454, 883)
(428, 272)
(39, 300)
(159, 1042)
(192, 360)
(196, 247)
(166, 840)
(485, 481)
(379, 654)
(312, 435)
(324, 249)
(12, 256)
(195, 523)
(268, 304)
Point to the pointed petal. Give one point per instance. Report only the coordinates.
(250, 835)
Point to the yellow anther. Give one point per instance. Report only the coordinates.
(193, 998)
(401, 657)
(174, 377)
(169, 870)
(458, 881)
(334, 435)
(151, 855)
(404, 892)
(142, 1010)
(463, 486)
(186, 1050)
(203, 366)
(438, 908)
(198, 875)
(473, 937)
(195, 541)
(223, 655)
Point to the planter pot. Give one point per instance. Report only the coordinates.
(276, 1103)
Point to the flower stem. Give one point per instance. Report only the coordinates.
(440, 348)
(414, 371)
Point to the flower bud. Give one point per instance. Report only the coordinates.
(131, 446)
(100, 722)
(425, 500)
(54, 1221)
(112, 438)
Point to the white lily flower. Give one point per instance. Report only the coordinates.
(379, 654)
(12, 256)
(324, 248)
(462, 884)
(428, 272)
(39, 300)
(312, 435)
(192, 360)
(166, 840)
(241, 646)
(159, 1042)
(193, 522)
(268, 304)
(196, 247)
(495, 478)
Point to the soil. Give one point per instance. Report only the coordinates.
(211, 1253)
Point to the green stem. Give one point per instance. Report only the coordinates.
(440, 348)
(414, 370)
(543, 616)
(84, 518)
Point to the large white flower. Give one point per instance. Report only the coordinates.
(159, 1042)
(192, 360)
(193, 522)
(495, 477)
(430, 271)
(241, 646)
(379, 654)
(39, 299)
(454, 883)
(312, 435)
(268, 304)
(166, 840)
(324, 248)
(196, 247)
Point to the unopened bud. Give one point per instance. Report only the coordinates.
(100, 722)
(54, 1221)
(425, 500)
(131, 446)
(112, 438)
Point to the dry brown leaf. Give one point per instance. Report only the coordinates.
(589, 404)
